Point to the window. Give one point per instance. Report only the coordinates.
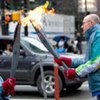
(32, 47)
(87, 5)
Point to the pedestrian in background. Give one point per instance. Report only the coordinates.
(90, 64)
(60, 46)
(72, 47)
(79, 43)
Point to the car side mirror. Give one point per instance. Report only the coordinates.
(22, 53)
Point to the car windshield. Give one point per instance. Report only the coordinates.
(33, 45)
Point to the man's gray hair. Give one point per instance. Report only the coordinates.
(95, 17)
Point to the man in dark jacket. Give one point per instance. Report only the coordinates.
(79, 44)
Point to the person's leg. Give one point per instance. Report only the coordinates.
(98, 97)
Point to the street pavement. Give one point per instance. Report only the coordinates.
(27, 93)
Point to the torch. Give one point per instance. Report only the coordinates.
(46, 42)
(50, 48)
(34, 18)
(16, 50)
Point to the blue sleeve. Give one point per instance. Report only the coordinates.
(94, 51)
(88, 67)
(94, 57)
(78, 61)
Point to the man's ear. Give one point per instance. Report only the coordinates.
(93, 22)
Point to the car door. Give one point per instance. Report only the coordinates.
(5, 66)
(25, 65)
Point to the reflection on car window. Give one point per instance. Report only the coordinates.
(31, 47)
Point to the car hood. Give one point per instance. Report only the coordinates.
(50, 57)
(47, 57)
(72, 55)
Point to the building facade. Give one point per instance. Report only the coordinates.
(79, 8)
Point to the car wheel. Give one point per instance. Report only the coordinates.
(49, 83)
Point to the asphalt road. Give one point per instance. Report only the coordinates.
(27, 93)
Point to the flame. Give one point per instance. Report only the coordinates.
(34, 16)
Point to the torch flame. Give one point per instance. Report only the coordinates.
(34, 16)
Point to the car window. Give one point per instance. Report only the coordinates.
(3, 44)
(35, 42)
(31, 47)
